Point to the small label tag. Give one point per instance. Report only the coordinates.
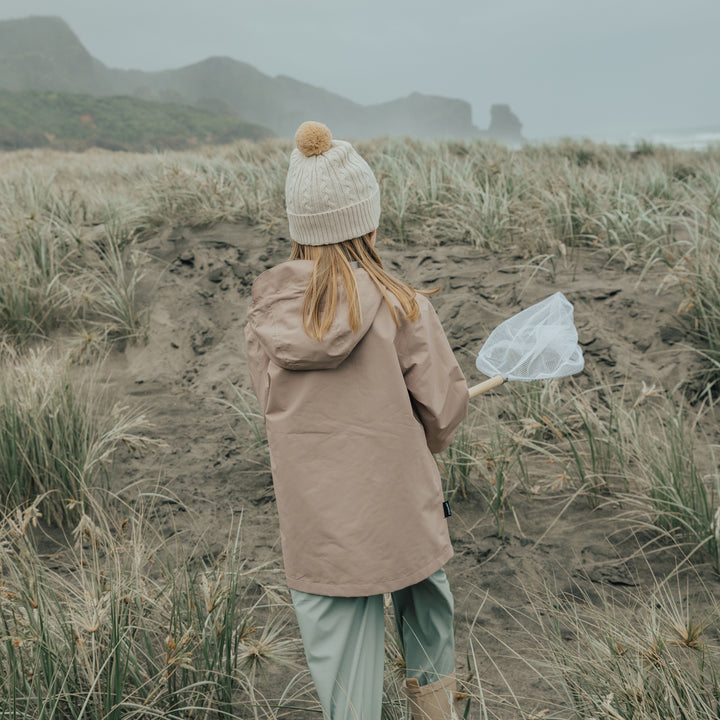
(446, 508)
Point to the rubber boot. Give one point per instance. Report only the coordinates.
(433, 701)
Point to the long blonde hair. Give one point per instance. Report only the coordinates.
(332, 265)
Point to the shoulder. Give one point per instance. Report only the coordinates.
(426, 311)
(424, 303)
(414, 334)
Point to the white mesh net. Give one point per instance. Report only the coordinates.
(538, 343)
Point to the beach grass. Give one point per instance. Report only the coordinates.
(645, 654)
(58, 434)
(122, 626)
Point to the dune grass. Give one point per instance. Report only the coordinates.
(32, 295)
(646, 655)
(245, 406)
(693, 265)
(677, 487)
(123, 625)
(124, 628)
(57, 434)
(641, 206)
(603, 443)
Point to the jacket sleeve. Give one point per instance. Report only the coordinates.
(258, 362)
(436, 383)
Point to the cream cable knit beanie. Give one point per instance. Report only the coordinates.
(331, 193)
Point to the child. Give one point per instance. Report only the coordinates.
(359, 387)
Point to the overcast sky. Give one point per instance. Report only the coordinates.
(580, 67)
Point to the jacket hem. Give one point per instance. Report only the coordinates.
(374, 588)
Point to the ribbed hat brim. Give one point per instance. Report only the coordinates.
(336, 226)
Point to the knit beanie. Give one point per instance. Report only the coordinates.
(331, 193)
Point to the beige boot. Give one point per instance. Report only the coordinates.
(433, 701)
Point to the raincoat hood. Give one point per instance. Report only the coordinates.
(276, 317)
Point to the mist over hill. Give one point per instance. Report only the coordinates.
(44, 54)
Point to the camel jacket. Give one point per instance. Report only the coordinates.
(352, 421)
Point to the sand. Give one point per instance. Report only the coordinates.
(197, 287)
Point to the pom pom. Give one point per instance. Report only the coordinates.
(313, 138)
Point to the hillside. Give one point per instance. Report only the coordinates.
(69, 120)
(43, 54)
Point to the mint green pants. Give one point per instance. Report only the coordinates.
(344, 640)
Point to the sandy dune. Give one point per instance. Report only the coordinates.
(198, 285)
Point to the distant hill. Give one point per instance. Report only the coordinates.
(43, 54)
(74, 121)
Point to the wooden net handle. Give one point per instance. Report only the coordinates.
(483, 387)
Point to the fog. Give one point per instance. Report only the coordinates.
(566, 67)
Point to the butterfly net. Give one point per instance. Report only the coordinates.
(538, 343)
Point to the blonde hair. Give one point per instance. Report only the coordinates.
(332, 265)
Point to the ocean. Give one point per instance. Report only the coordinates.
(696, 139)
